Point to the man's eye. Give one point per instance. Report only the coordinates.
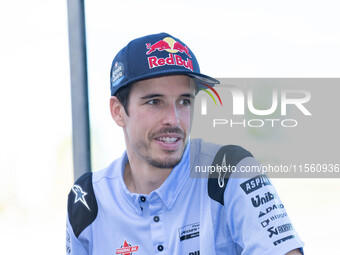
(185, 102)
(153, 102)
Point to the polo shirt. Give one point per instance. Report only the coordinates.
(185, 215)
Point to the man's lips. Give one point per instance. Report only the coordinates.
(168, 138)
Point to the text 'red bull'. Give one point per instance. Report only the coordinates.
(173, 59)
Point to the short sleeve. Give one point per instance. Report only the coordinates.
(82, 210)
(73, 245)
(256, 216)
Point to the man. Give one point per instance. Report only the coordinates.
(145, 202)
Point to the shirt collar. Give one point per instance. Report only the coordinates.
(171, 187)
(132, 198)
(168, 191)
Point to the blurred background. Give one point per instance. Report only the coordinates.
(230, 39)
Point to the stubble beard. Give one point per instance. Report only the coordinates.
(168, 162)
(159, 163)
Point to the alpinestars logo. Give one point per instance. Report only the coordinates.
(220, 176)
(127, 249)
(80, 195)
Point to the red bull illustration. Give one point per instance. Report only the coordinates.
(178, 46)
(160, 45)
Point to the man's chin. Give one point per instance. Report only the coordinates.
(164, 163)
(164, 158)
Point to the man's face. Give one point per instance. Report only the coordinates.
(157, 127)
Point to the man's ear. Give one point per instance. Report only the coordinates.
(117, 111)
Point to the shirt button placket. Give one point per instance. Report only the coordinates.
(160, 247)
(142, 200)
(157, 225)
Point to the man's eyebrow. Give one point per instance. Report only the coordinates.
(152, 96)
(188, 95)
(149, 96)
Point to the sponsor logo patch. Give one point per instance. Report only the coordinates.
(170, 45)
(266, 222)
(80, 195)
(280, 229)
(127, 249)
(117, 73)
(189, 231)
(283, 239)
(271, 208)
(257, 201)
(255, 183)
(278, 216)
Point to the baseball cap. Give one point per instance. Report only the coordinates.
(153, 56)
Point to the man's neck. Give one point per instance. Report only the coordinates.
(143, 179)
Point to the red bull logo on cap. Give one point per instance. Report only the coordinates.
(170, 45)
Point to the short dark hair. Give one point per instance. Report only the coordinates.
(123, 95)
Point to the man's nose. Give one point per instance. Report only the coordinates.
(171, 116)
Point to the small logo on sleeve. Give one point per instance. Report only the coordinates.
(271, 208)
(127, 249)
(279, 230)
(283, 239)
(266, 222)
(80, 195)
(258, 201)
(255, 183)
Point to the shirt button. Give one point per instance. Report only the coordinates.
(160, 247)
(142, 198)
(156, 219)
